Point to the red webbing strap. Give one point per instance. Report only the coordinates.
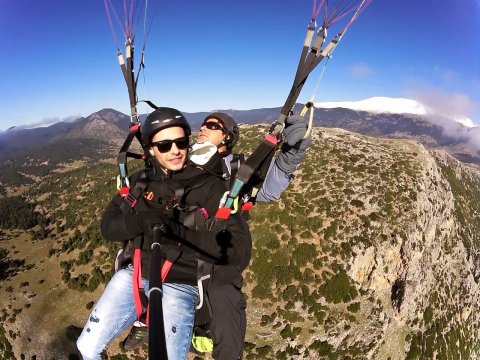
(137, 281)
(164, 272)
(165, 269)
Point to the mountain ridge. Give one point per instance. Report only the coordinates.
(33, 152)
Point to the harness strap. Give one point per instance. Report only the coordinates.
(308, 106)
(163, 273)
(129, 76)
(138, 290)
(139, 297)
(123, 184)
(204, 271)
(237, 161)
(193, 211)
(253, 169)
(230, 166)
(165, 269)
(131, 198)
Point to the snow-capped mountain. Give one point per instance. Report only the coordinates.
(393, 106)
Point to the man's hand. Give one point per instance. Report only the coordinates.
(295, 144)
(143, 222)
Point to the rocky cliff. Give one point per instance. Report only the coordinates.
(376, 255)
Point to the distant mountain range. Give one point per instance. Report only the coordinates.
(384, 117)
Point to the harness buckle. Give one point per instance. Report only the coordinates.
(130, 200)
(204, 213)
(223, 200)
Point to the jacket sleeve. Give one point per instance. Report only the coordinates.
(116, 226)
(276, 181)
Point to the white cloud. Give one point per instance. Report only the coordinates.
(448, 110)
(452, 104)
(361, 71)
(445, 110)
(379, 104)
(49, 121)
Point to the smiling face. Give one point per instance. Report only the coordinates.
(173, 159)
(213, 134)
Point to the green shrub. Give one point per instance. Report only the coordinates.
(17, 213)
(322, 348)
(355, 307)
(338, 289)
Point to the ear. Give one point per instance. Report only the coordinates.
(150, 150)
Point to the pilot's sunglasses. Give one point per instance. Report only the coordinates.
(212, 125)
(166, 145)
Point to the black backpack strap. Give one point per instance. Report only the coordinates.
(229, 170)
(237, 161)
(131, 199)
(192, 217)
(126, 253)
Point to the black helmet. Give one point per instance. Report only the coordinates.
(162, 118)
(230, 126)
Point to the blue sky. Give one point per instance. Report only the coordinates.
(59, 58)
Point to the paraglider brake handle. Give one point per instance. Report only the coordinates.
(159, 230)
(160, 227)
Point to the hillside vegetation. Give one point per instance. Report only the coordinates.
(372, 253)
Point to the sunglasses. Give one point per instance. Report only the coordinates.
(166, 145)
(211, 125)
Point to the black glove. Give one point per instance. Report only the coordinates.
(142, 223)
(172, 229)
(294, 147)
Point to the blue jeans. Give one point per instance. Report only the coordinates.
(115, 312)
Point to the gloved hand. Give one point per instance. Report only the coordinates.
(294, 147)
(169, 232)
(172, 229)
(143, 222)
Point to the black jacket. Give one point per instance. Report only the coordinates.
(227, 243)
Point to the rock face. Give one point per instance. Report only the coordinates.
(389, 270)
(373, 252)
(106, 125)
